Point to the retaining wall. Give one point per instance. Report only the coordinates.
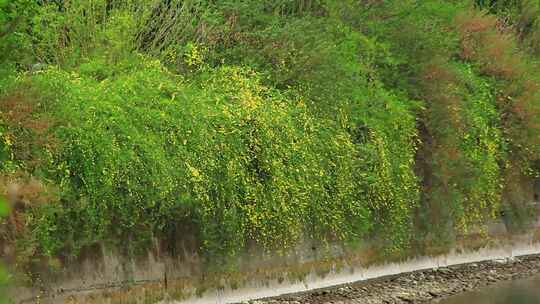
(105, 276)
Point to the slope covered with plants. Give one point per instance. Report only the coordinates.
(262, 124)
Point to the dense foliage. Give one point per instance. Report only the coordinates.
(263, 124)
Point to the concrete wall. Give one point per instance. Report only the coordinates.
(104, 276)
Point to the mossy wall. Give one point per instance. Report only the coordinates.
(103, 275)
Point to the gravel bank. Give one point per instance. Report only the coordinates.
(419, 286)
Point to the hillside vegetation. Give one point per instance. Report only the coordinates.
(262, 124)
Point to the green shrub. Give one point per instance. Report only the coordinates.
(146, 149)
(248, 124)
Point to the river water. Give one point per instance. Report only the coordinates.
(516, 292)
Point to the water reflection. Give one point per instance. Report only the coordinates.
(517, 292)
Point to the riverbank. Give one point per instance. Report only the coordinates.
(420, 286)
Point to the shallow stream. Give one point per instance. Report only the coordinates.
(515, 292)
